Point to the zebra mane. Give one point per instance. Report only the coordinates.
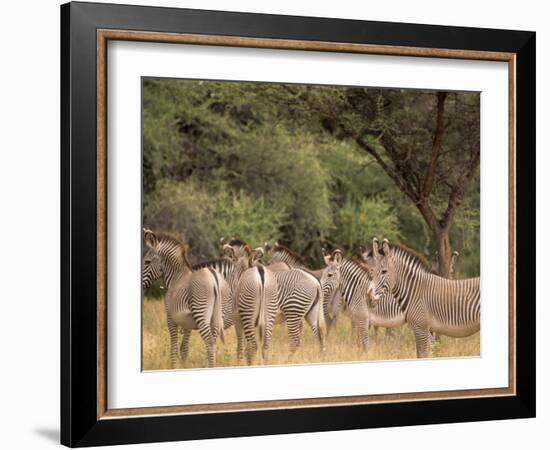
(420, 259)
(296, 256)
(237, 242)
(183, 247)
(211, 262)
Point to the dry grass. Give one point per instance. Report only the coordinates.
(341, 345)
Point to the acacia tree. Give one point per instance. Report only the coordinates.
(426, 142)
(437, 178)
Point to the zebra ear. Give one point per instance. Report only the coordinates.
(228, 251)
(150, 238)
(222, 241)
(255, 256)
(326, 255)
(337, 256)
(375, 251)
(385, 247)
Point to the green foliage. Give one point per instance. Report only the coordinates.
(357, 222)
(237, 214)
(266, 162)
(203, 217)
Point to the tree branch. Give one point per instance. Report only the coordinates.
(395, 175)
(436, 146)
(430, 217)
(457, 193)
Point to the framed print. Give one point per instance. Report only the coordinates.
(276, 224)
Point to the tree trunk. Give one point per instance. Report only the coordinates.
(444, 253)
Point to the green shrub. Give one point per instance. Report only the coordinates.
(358, 221)
(202, 217)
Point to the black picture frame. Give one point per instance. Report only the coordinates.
(80, 425)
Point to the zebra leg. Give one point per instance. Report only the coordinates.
(432, 338)
(271, 309)
(211, 350)
(251, 346)
(240, 340)
(202, 311)
(331, 324)
(315, 332)
(184, 349)
(209, 341)
(364, 337)
(311, 319)
(249, 329)
(294, 331)
(353, 329)
(423, 340)
(268, 333)
(360, 322)
(173, 331)
(389, 332)
(207, 335)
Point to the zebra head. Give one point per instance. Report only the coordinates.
(330, 284)
(235, 248)
(377, 261)
(240, 254)
(256, 257)
(151, 265)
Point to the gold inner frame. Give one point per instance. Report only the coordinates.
(104, 35)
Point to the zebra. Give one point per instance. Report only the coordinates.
(193, 298)
(430, 302)
(357, 296)
(330, 279)
(300, 296)
(231, 266)
(282, 258)
(256, 304)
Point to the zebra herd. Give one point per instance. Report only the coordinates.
(386, 285)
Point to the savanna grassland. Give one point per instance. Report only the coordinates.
(341, 345)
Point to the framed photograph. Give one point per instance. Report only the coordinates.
(277, 224)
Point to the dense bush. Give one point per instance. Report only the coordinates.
(203, 217)
(357, 222)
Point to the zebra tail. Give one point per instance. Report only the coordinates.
(321, 322)
(216, 322)
(262, 308)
